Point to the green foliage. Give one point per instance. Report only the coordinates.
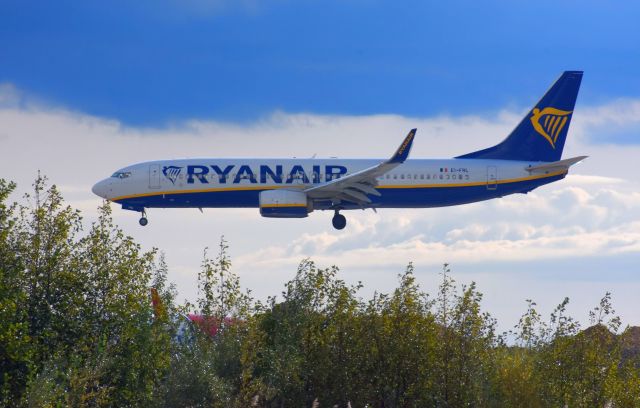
(467, 336)
(400, 336)
(219, 289)
(77, 329)
(16, 350)
(194, 380)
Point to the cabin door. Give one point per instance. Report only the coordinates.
(492, 178)
(154, 176)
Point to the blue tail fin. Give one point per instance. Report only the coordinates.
(541, 134)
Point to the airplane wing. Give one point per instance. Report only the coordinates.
(358, 186)
(555, 166)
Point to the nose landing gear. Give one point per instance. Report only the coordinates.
(339, 221)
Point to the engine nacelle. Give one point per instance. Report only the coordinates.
(284, 204)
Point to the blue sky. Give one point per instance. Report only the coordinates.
(156, 62)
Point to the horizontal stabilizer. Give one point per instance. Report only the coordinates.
(555, 166)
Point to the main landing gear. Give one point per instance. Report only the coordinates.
(143, 220)
(339, 221)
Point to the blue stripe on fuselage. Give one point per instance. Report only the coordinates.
(409, 197)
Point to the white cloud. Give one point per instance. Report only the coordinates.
(622, 112)
(588, 219)
(567, 222)
(583, 179)
(9, 95)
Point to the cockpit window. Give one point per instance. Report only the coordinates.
(121, 174)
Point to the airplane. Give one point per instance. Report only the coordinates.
(530, 156)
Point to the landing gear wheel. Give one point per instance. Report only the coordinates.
(143, 219)
(339, 221)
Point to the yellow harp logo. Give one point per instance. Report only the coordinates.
(549, 122)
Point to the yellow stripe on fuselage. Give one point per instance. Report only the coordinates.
(249, 188)
(202, 190)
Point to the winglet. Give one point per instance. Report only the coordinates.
(403, 151)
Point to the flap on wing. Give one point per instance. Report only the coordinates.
(555, 166)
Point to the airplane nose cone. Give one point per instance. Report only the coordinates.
(100, 189)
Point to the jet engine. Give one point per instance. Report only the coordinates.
(284, 204)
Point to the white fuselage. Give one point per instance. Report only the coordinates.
(186, 182)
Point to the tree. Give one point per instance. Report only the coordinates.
(220, 295)
(466, 338)
(16, 351)
(44, 241)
